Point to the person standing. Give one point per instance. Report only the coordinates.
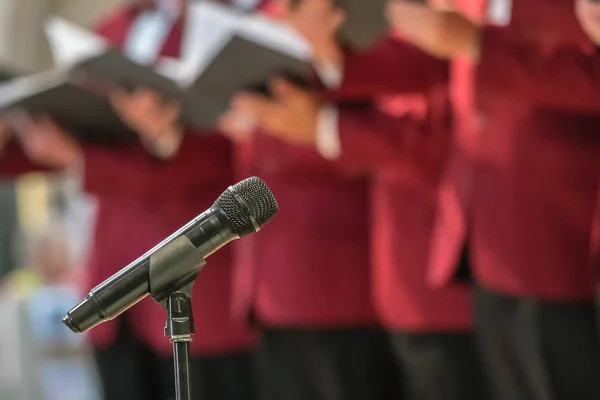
(400, 138)
(145, 191)
(521, 190)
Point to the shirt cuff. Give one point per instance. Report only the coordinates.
(328, 139)
(165, 146)
(331, 74)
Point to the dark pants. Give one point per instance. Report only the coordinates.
(439, 366)
(130, 371)
(538, 350)
(335, 364)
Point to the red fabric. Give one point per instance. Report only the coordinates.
(161, 198)
(14, 162)
(524, 186)
(309, 267)
(381, 70)
(551, 21)
(552, 75)
(406, 155)
(131, 223)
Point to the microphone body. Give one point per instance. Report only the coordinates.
(208, 232)
(241, 210)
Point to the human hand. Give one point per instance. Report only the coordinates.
(444, 34)
(47, 143)
(291, 115)
(588, 14)
(318, 21)
(148, 114)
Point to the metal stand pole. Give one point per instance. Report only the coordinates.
(183, 389)
(180, 328)
(172, 274)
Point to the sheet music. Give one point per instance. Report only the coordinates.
(170, 68)
(208, 28)
(211, 26)
(147, 36)
(70, 43)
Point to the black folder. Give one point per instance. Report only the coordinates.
(241, 65)
(77, 97)
(365, 22)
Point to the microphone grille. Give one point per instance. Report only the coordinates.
(247, 200)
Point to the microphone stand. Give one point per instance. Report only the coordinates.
(172, 274)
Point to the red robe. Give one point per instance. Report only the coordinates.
(405, 154)
(524, 186)
(142, 200)
(309, 268)
(178, 190)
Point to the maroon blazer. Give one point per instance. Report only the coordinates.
(309, 267)
(533, 19)
(175, 192)
(524, 187)
(140, 202)
(406, 155)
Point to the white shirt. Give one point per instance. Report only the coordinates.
(146, 39)
(328, 142)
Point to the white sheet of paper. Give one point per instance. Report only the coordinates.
(70, 43)
(208, 29)
(171, 68)
(210, 26)
(499, 12)
(147, 36)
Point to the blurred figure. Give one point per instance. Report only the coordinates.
(61, 363)
(522, 190)
(161, 184)
(47, 361)
(23, 43)
(184, 184)
(400, 135)
(305, 279)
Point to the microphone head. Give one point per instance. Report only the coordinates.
(248, 205)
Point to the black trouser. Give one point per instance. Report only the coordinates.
(538, 350)
(439, 366)
(130, 371)
(327, 364)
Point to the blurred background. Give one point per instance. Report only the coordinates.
(363, 334)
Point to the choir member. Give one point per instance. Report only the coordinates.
(146, 191)
(521, 190)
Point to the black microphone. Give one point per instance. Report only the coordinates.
(241, 210)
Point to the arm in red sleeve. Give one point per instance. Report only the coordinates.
(370, 139)
(565, 77)
(391, 67)
(13, 162)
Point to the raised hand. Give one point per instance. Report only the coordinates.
(291, 115)
(441, 33)
(146, 112)
(318, 21)
(588, 13)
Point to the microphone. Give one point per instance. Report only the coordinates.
(241, 210)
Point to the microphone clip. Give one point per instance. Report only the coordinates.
(172, 271)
